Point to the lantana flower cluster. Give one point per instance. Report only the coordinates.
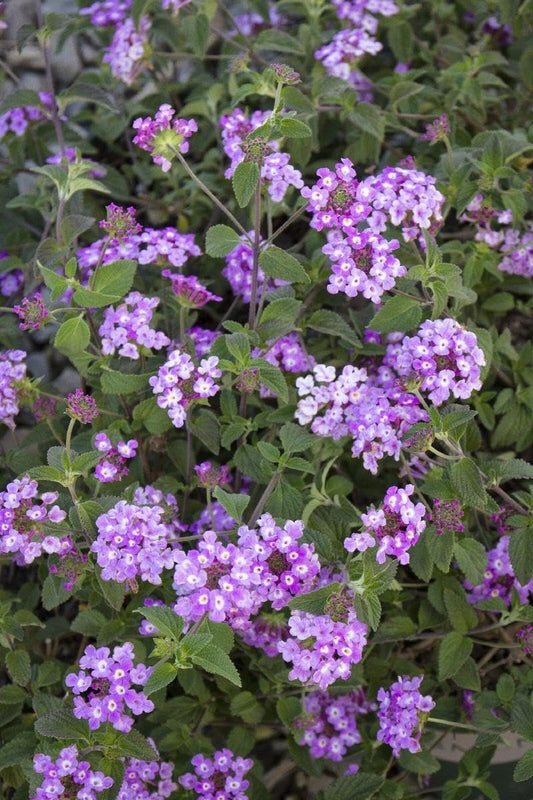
(68, 776)
(16, 120)
(499, 578)
(395, 527)
(147, 780)
(218, 778)
(104, 688)
(22, 518)
(151, 135)
(112, 465)
(230, 582)
(12, 370)
(179, 382)
(127, 327)
(329, 723)
(402, 712)
(239, 270)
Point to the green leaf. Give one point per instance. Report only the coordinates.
(441, 547)
(245, 706)
(398, 314)
(294, 128)
(216, 661)
(314, 602)
(22, 97)
(164, 619)
(521, 554)
(221, 240)
(278, 318)
(370, 119)
(19, 666)
(11, 695)
(453, 652)
(234, 504)
(295, 439)
(162, 675)
(472, 559)
(135, 745)
(522, 717)
(330, 322)
(205, 427)
(123, 383)
(86, 93)
(196, 30)
(288, 710)
(401, 40)
(17, 749)
(244, 181)
(73, 336)
(221, 634)
(466, 479)
(423, 763)
(73, 226)
(88, 622)
(111, 282)
(368, 609)
(279, 42)
(353, 787)
(467, 676)
(112, 592)
(47, 474)
(239, 346)
(421, 559)
(274, 380)
(460, 613)
(277, 263)
(524, 768)
(154, 419)
(62, 724)
(53, 592)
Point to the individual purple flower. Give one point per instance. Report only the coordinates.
(179, 382)
(82, 407)
(402, 713)
(500, 34)
(323, 648)
(469, 703)
(287, 353)
(147, 780)
(126, 328)
(447, 516)
(188, 290)
(104, 688)
(443, 358)
(68, 777)
(499, 578)
(329, 723)
(113, 464)
(120, 223)
(163, 135)
(218, 778)
(10, 282)
(437, 130)
(500, 518)
(17, 120)
(12, 373)
(395, 527)
(32, 313)
(134, 542)
(126, 54)
(22, 520)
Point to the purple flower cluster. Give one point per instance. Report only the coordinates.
(147, 780)
(436, 130)
(82, 407)
(107, 12)
(210, 476)
(17, 120)
(230, 582)
(323, 648)
(104, 690)
(214, 518)
(126, 54)
(402, 712)
(218, 778)
(68, 777)
(373, 410)
(32, 313)
(112, 465)
(179, 382)
(329, 723)
(265, 633)
(499, 578)
(238, 272)
(202, 339)
(120, 223)
(189, 292)
(443, 359)
(134, 542)
(395, 527)
(127, 327)
(12, 371)
(447, 516)
(524, 637)
(10, 282)
(276, 171)
(21, 522)
(288, 353)
(151, 134)
(150, 246)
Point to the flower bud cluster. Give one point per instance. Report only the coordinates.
(127, 327)
(104, 690)
(149, 137)
(32, 313)
(189, 292)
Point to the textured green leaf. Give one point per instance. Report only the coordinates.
(111, 282)
(221, 240)
(164, 619)
(368, 608)
(472, 559)
(88, 622)
(19, 666)
(295, 439)
(294, 128)
(521, 554)
(274, 380)
(278, 318)
(467, 676)
(216, 661)
(522, 717)
(453, 652)
(53, 592)
(135, 745)
(113, 593)
(398, 314)
(288, 710)
(234, 504)
(466, 479)
(523, 770)
(62, 724)
(277, 263)
(244, 181)
(162, 675)
(314, 602)
(204, 426)
(17, 749)
(245, 706)
(330, 322)
(460, 613)
(114, 382)
(73, 336)
(353, 787)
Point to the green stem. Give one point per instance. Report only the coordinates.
(255, 258)
(258, 510)
(68, 438)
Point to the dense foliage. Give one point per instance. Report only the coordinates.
(266, 393)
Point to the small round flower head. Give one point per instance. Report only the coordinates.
(32, 313)
(112, 465)
(443, 358)
(133, 542)
(12, 373)
(525, 638)
(218, 778)
(81, 407)
(436, 130)
(44, 408)
(68, 777)
(103, 689)
(107, 12)
(147, 780)
(499, 519)
(127, 327)
(402, 712)
(395, 527)
(11, 282)
(447, 516)
(126, 54)
(210, 476)
(286, 74)
(21, 522)
(189, 292)
(163, 135)
(499, 578)
(329, 723)
(120, 223)
(179, 382)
